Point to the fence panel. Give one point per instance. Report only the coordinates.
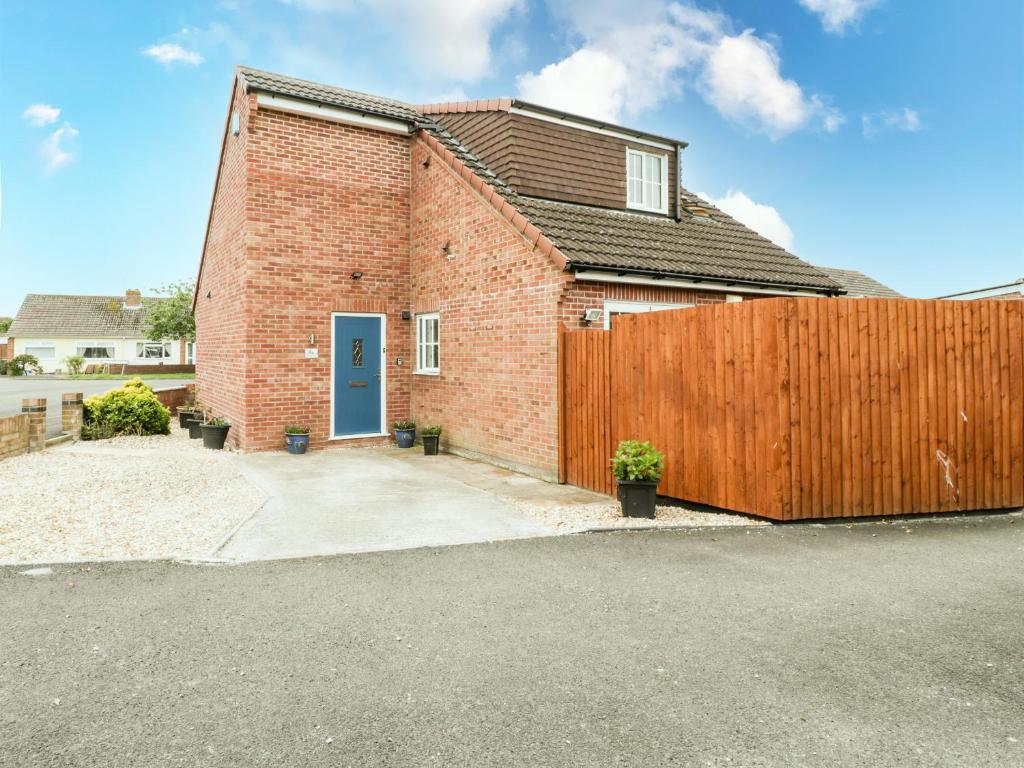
(808, 408)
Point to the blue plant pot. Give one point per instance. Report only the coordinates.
(297, 444)
(404, 437)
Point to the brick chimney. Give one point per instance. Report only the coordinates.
(132, 298)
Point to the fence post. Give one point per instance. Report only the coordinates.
(71, 414)
(36, 410)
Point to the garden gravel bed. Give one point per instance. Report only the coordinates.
(574, 518)
(125, 498)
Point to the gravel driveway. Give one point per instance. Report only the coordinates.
(14, 388)
(127, 498)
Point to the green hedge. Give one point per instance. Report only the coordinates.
(132, 409)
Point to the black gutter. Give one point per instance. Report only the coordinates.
(562, 115)
(574, 267)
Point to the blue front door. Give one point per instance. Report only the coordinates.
(357, 374)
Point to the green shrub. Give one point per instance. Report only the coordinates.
(22, 363)
(296, 429)
(3, 367)
(97, 431)
(430, 432)
(75, 363)
(137, 385)
(634, 460)
(402, 425)
(132, 409)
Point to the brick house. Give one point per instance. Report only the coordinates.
(368, 260)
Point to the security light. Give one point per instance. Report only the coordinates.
(591, 315)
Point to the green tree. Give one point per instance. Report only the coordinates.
(172, 317)
(5, 323)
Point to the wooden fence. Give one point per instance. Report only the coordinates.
(807, 408)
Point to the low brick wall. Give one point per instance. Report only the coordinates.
(13, 435)
(175, 397)
(139, 370)
(26, 432)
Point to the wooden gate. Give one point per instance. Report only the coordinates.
(807, 408)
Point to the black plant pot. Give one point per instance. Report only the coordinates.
(195, 428)
(214, 436)
(430, 444)
(183, 417)
(638, 498)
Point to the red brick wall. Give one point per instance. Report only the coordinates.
(325, 200)
(221, 377)
(497, 298)
(580, 296)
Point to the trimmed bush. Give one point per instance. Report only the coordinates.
(75, 363)
(132, 409)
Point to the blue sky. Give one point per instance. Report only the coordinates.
(884, 135)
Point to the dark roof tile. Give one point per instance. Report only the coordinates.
(43, 315)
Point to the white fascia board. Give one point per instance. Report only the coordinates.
(592, 128)
(597, 276)
(333, 114)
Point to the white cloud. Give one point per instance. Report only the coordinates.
(763, 219)
(172, 53)
(53, 148)
(448, 37)
(742, 80)
(631, 57)
(589, 82)
(41, 114)
(837, 15)
(905, 119)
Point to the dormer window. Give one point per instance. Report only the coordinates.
(646, 181)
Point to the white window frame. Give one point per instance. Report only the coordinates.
(190, 353)
(635, 307)
(140, 350)
(50, 346)
(81, 346)
(422, 344)
(645, 203)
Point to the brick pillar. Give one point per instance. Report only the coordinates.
(36, 410)
(71, 414)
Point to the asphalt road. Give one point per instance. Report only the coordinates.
(14, 388)
(873, 645)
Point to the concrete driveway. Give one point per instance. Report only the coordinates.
(367, 499)
(868, 645)
(14, 388)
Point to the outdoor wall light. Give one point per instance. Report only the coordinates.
(448, 251)
(591, 315)
(312, 339)
(357, 275)
(406, 314)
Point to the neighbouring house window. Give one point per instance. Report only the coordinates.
(190, 353)
(153, 350)
(96, 351)
(428, 343)
(614, 308)
(42, 351)
(646, 181)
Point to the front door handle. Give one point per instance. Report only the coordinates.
(378, 374)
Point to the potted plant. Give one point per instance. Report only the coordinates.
(405, 433)
(185, 412)
(296, 438)
(215, 432)
(431, 438)
(637, 467)
(194, 423)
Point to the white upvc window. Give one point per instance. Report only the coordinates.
(190, 353)
(96, 350)
(428, 343)
(42, 351)
(153, 350)
(614, 308)
(646, 181)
